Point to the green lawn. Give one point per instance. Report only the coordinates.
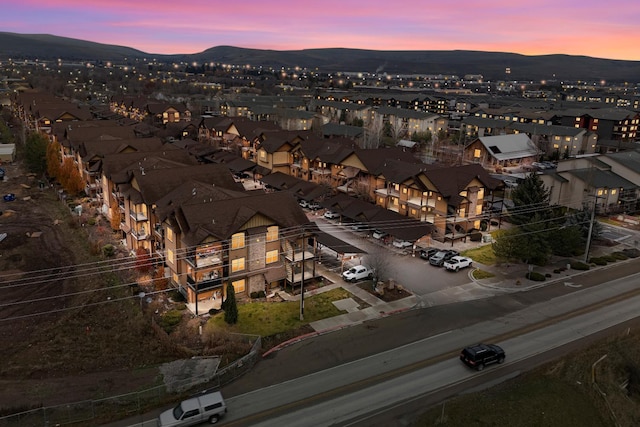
(270, 318)
(483, 255)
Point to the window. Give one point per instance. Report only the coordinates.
(272, 256)
(237, 241)
(170, 234)
(171, 256)
(614, 191)
(263, 155)
(237, 265)
(191, 413)
(272, 233)
(476, 153)
(238, 285)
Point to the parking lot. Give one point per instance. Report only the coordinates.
(405, 266)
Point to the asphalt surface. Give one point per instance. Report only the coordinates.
(374, 336)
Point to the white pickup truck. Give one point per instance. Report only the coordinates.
(457, 262)
(209, 407)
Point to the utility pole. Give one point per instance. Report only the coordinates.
(593, 217)
(302, 279)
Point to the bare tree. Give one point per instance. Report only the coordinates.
(373, 135)
(398, 128)
(379, 261)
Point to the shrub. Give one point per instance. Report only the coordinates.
(577, 265)
(91, 221)
(557, 271)
(598, 261)
(181, 307)
(475, 235)
(170, 320)
(177, 296)
(610, 258)
(108, 250)
(631, 252)
(535, 276)
(258, 294)
(547, 275)
(621, 256)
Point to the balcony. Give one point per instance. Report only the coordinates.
(158, 230)
(200, 261)
(138, 216)
(204, 285)
(140, 234)
(422, 202)
(387, 192)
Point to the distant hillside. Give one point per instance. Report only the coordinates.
(491, 65)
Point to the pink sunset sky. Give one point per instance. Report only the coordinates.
(604, 29)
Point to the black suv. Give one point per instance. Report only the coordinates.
(479, 355)
(427, 253)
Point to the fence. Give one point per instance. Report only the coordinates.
(130, 404)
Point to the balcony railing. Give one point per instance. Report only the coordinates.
(204, 261)
(204, 285)
(421, 202)
(138, 216)
(139, 234)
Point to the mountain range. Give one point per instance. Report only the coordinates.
(491, 65)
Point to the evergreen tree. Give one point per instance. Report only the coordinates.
(36, 153)
(536, 225)
(582, 220)
(529, 197)
(231, 306)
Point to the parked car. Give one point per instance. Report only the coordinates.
(359, 272)
(479, 355)
(440, 257)
(314, 206)
(457, 262)
(402, 244)
(360, 226)
(510, 183)
(209, 407)
(428, 253)
(331, 215)
(303, 203)
(377, 234)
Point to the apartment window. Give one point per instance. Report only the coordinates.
(170, 234)
(171, 256)
(237, 241)
(237, 265)
(614, 191)
(404, 190)
(263, 155)
(272, 256)
(556, 146)
(238, 285)
(272, 233)
(476, 153)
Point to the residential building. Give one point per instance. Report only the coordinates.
(215, 237)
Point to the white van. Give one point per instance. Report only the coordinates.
(196, 410)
